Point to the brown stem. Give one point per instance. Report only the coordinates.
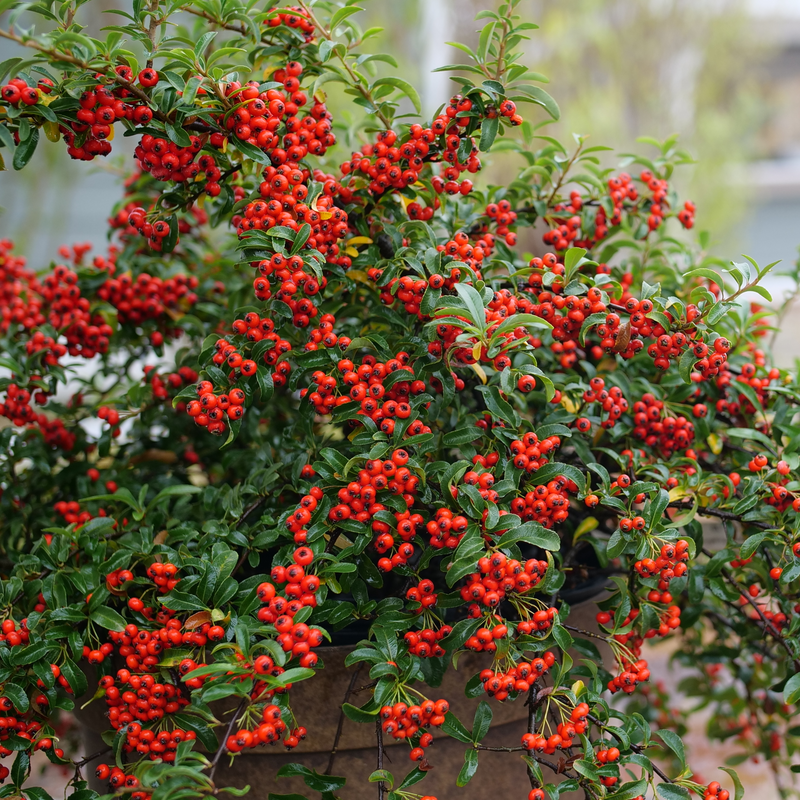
(766, 622)
(635, 747)
(357, 82)
(379, 736)
(340, 726)
(151, 30)
(69, 59)
(582, 632)
(86, 759)
(229, 729)
(720, 514)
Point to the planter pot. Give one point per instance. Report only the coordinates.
(316, 704)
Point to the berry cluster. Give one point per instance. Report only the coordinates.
(425, 643)
(516, 680)
(667, 433)
(402, 721)
(135, 701)
(268, 732)
(500, 576)
(117, 779)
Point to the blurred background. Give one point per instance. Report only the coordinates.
(724, 74)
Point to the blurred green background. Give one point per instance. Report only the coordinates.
(725, 75)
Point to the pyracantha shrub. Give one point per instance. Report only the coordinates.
(318, 390)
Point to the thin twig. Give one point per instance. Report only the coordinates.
(766, 622)
(379, 736)
(223, 743)
(635, 747)
(357, 82)
(340, 726)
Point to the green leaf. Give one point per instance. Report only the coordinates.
(177, 490)
(482, 721)
(453, 727)
(382, 775)
(675, 743)
(25, 149)
(791, 692)
(404, 86)
(17, 696)
(537, 95)
(108, 618)
(342, 14)
(531, 533)
(357, 714)
(671, 791)
(489, 129)
(629, 790)
(469, 769)
(461, 436)
(737, 784)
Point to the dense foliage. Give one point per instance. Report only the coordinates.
(427, 440)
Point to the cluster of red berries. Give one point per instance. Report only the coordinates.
(111, 416)
(425, 643)
(402, 721)
(499, 576)
(364, 384)
(255, 329)
(142, 649)
(149, 297)
(667, 433)
(423, 594)
(715, 792)
(14, 635)
(258, 117)
(565, 733)
(547, 504)
(17, 91)
(407, 290)
(100, 107)
(117, 779)
(325, 335)
(283, 191)
(531, 454)
(516, 680)
(20, 299)
(70, 512)
(632, 674)
(388, 166)
(268, 732)
(137, 700)
(167, 161)
(211, 410)
(17, 408)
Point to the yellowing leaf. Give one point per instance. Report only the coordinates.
(578, 688)
(478, 369)
(52, 132)
(570, 404)
(406, 201)
(358, 275)
(351, 251)
(269, 70)
(676, 494)
(110, 137)
(359, 240)
(589, 524)
(715, 443)
(325, 214)
(320, 96)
